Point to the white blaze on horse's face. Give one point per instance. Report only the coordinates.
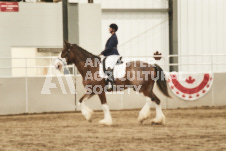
(58, 64)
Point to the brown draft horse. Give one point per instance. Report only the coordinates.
(78, 56)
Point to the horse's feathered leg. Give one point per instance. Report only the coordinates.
(86, 111)
(107, 115)
(160, 117)
(145, 111)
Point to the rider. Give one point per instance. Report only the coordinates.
(111, 49)
(111, 45)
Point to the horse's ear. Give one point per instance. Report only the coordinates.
(66, 44)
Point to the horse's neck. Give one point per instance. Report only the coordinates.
(79, 63)
(81, 60)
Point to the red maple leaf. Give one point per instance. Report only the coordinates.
(189, 80)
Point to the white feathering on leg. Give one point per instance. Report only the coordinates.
(86, 111)
(160, 117)
(107, 116)
(145, 111)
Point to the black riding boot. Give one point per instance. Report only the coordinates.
(110, 79)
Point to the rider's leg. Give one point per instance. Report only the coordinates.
(110, 79)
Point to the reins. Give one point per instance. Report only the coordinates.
(69, 51)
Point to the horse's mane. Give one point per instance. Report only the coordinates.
(85, 52)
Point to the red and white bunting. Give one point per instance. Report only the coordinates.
(190, 86)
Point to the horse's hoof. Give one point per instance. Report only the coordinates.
(89, 115)
(140, 120)
(156, 121)
(90, 120)
(105, 122)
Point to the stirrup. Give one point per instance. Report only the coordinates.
(109, 85)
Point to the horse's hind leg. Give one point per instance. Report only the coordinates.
(86, 111)
(145, 111)
(160, 117)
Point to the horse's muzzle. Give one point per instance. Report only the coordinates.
(58, 66)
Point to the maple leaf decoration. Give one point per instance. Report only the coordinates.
(189, 80)
(157, 55)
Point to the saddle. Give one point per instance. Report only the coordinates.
(119, 61)
(109, 71)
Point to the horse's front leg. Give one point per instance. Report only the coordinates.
(107, 115)
(86, 111)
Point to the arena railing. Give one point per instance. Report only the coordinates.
(164, 62)
(211, 62)
(26, 66)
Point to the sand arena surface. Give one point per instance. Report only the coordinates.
(185, 129)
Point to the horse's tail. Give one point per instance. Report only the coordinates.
(161, 81)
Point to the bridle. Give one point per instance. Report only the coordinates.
(68, 52)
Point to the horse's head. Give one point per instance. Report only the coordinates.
(67, 53)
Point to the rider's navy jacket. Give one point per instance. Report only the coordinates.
(111, 46)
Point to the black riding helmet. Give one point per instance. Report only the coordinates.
(114, 26)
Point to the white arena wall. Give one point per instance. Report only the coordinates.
(21, 97)
(36, 25)
(201, 30)
(141, 31)
(16, 98)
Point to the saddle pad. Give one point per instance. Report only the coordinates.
(119, 70)
(111, 61)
